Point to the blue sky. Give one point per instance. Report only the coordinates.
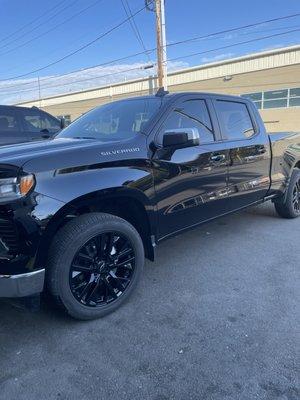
(185, 19)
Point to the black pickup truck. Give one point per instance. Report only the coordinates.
(79, 213)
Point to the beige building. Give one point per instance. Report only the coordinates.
(270, 78)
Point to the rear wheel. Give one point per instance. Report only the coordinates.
(94, 264)
(289, 205)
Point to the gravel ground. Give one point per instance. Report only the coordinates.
(217, 316)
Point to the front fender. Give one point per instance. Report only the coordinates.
(22, 227)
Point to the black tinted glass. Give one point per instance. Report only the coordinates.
(234, 119)
(8, 121)
(36, 121)
(114, 121)
(190, 114)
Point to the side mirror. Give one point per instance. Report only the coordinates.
(185, 137)
(62, 123)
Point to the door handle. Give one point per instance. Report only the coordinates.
(217, 157)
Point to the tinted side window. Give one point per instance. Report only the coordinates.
(31, 120)
(8, 121)
(35, 121)
(190, 114)
(234, 120)
(52, 124)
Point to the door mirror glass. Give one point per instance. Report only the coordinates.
(180, 138)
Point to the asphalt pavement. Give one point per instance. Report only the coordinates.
(217, 316)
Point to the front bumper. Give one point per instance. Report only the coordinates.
(22, 285)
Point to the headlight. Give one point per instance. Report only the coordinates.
(14, 188)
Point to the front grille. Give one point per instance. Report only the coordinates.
(9, 235)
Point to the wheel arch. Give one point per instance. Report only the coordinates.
(130, 204)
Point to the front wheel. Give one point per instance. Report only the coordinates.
(289, 206)
(95, 262)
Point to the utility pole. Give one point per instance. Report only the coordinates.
(158, 6)
(161, 44)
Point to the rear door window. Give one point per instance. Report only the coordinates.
(235, 121)
(35, 121)
(8, 121)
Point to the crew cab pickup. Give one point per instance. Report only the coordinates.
(79, 213)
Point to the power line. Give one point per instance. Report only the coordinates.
(154, 49)
(142, 67)
(81, 69)
(193, 54)
(35, 28)
(234, 45)
(134, 27)
(235, 29)
(32, 22)
(78, 50)
(52, 29)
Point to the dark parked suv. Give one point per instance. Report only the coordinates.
(20, 124)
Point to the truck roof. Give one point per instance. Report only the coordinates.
(18, 107)
(179, 94)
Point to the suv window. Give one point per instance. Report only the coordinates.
(36, 121)
(234, 119)
(190, 114)
(8, 121)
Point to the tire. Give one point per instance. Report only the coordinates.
(96, 236)
(289, 205)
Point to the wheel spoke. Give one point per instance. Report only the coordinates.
(109, 244)
(123, 263)
(85, 257)
(94, 286)
(86, 289)
(124, 252)
(110, 289)
(81, 268)
(116, 281)
(99, 243)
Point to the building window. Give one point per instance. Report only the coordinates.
(256, 98)
(280, 98)
(294, 97)
(67, 119)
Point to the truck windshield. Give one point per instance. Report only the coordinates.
(116, 121)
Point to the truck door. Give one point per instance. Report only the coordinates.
(190, 182)
(10, 131)
(249, 152)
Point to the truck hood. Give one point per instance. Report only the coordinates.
(18, 154)
(60, 152)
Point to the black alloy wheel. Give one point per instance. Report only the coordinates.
(102, 269)
(94, 264)
(288, 206)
